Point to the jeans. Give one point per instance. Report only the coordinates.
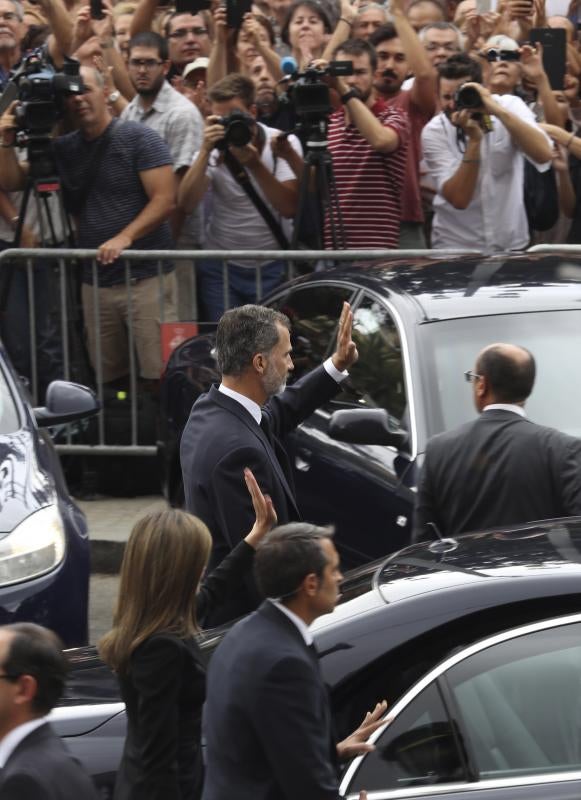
(241, 285)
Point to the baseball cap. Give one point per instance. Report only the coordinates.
(200, 63)
(500, 42)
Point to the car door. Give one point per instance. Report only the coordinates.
(358, 488)
(501, 719)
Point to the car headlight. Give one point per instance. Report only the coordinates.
(34, 547)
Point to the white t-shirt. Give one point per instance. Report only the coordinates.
(235, 223)
(495, 220)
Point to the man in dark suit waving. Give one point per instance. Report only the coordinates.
(267, 721)
(501, 469)
(34, 764)
(243, 423)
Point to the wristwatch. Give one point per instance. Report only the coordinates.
(349, 95)
(114, 96)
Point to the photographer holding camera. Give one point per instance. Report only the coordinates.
(474, 152)
(253, 191)
(118, 183)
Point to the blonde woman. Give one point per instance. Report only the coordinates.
(153, 649)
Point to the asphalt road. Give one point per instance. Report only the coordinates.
(110, 520)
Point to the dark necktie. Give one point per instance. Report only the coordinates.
(279, 452)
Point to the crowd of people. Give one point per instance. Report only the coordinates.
(191, 134)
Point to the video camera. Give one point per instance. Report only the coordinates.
(309, 94)
(41, 91)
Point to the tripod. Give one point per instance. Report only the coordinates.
(29, 325)
(318, 182)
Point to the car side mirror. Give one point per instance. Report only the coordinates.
(66, 402)
(366, 426)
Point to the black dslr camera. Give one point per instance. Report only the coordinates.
(238, 128)
(467, 97)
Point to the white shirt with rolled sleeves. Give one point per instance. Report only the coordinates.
(495, 219)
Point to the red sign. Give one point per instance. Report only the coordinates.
(173, 334)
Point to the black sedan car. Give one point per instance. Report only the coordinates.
(475, 643)
(44, 543)
(419, 325)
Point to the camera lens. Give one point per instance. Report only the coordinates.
(238, 133)
(468, 97)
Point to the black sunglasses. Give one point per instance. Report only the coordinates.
(501, 55)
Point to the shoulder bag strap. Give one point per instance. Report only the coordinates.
(241, 177)
(82, 196)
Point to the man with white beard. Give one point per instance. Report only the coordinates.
(243, 423)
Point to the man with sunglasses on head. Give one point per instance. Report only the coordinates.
(34, 763)
(474, 153)
(500, 469)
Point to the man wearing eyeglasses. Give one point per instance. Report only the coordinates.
(189, 38)
(179, 123)
(34, 764)
(441, 40)
(501, 469)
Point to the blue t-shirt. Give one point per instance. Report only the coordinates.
(117, 195)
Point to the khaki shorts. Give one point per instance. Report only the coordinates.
(143, 297)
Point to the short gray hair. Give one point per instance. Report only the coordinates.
(287, 555)
(19, 8)
(372, 7)
(442, 26)
(243, 332)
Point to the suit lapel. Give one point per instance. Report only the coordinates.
(228, 404)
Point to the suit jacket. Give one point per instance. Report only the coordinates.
(41, 768)
(164, 690)
(267, 721)
(499, 470)
(219, 440)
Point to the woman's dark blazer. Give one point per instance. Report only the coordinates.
(164, 690)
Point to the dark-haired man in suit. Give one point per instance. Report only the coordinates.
(243, 423)
(501, 469)
(267, 720)
(34, 764)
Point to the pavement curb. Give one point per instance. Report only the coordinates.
(106, 556)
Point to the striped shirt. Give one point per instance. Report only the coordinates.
(369, 183)
(117, 195)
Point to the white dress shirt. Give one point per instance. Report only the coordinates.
(254, 409)
(296, 620)
(12, 739)
(505, 407)
(495, 219)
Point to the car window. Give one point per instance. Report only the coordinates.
(314, 313)
(520, 703)
(9, 421)
(419, 748)
(377, 379)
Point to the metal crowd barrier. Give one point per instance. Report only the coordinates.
(65, 260)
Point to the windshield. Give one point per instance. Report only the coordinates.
(553, 337)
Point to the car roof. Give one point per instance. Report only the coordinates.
(546, 549)
(472, 572)
(448, 288)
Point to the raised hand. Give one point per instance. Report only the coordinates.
(346, 353)
(263, 508)
(357, 743)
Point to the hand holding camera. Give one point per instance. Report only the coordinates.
(8, 126)
(213, 133)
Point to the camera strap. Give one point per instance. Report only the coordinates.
(79, 195)
(242, 179)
